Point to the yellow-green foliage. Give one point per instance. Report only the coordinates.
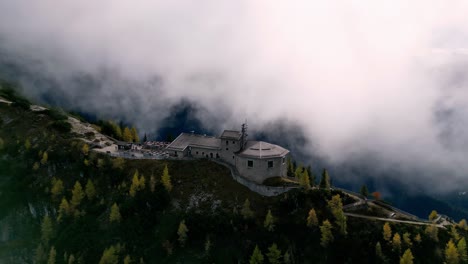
(166, 179)
(336, 208)
(2, 143)
(118, 163)
(326, 233)
(114, 215)
(64, 209)
(135, 135)
(387, 232)
(407, 257)
(433, 215)
(90, 190)
(451, 253)
(246, 211)
(312, 218)
(137, 184)
(27, 144)
(77, 195)
(45, 158)
(36, 166)
(57, 187)
(269, 222)
(396, 242)
(182, 233)
(85, 149)
(127, 135)
(257, 256)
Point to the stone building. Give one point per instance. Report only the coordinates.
(255, 160)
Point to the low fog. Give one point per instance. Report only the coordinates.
(380, 79)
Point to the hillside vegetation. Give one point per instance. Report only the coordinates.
(60, 202)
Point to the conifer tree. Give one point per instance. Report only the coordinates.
(118, 163)
(432, 232)
(364, 191)
(110, 256)
(71, 259)
(336, 208)
(451, 253)
(46, 229)
(387, 232)
(135, 184)
(64, 209)
(462, 225)
(127, 135)
(182, 233)
(454, 233)
(145, 138)
(85, 149)
(396, 242)
(90, 190)
(325, 180)
(378, 252)
(166, 179)
(312, 220)
(2, 143)
(269, 222)
(40, 255)
(433, 215)
(287, 258)
(246, 211)
(52, 256)
(298, 172)
(45, 158)
(304, 180)
(274, 254)
(257, 256)
(407, 257)
(326, 233)
(77, 195)
(152, 183)
(461, 248)
(135, 135)
(114, 215)
(36, 166)
(127, 259)
(57, 188)
(27, 144)
(207, 245)
(417, 238)
(407, 239)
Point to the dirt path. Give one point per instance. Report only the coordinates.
(391, 220)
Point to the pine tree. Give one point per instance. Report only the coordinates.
(46, 229)
(407, 257)
(417, 238)
(145, 138)
(135, 135)
(246, 211)
(166, 179)
(326, 233)
(364, 191)
(45, 157)
(454, 233)
(52, 256)
(71, 259)
(269, 222)
(110, 256)
(127, 135)
(135, 184)
(287, 258)
(312, 220)
(27, 144)
(257, 256)
(387, 232)
(64, 209)
(274, 254)
(182, 233)
(451, 253)
(433, 215)
(114, 215)
(57, 188)
(77, 195)
(36, 166)
(432, 232)
(325, 181)
(40, 254)
(85, 149)
(378, 252)
(461, 248)
(396, 242)
(118, 163)
(336, 208)
(127, 260)
(298, 172)
(462, 225)
(207, 245)
(90, 190)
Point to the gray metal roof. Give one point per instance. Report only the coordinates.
(194, 140)
(263, 150)
(231, 134)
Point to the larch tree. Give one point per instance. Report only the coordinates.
(378, 252)
(312, 219)
(127, 135)
(462, 224)
(77, 195)
(461, 248)
(407, 240)
(134, 187)
(407, 257)
(454, 233)
(85, 149)
(432, 232)
(387, 232)
(451, 253)
(417, 238)
(152, 183)
(52, 256)
(114, 215)
(257, 256)
(182, 233)
(433, 215)
(274, 254)
(336, 207)
(396, 242)
(246, 210)
(326, 233)
(304, 180)
(27, 144)
(71, 259)
(298, 172)
(166, 179)
(57, 188)
(90, 190)
(207, 245)
(135, 136)
(45, 158)
(269, 222)
(325, 180)
(64, 209)
(118, 163)
(110, 256)
(127, 259)
(36, 166)
(46, 229)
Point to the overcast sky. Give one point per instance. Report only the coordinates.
(365, 76)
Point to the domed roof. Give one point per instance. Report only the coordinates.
(260, 150)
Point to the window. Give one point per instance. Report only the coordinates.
(197, 152)
(227, 142)
(211, 155)
(250, 163)
(232, 157)
(284, 160)
(203, 153)
(227, 148)
(233, 142)
(270, 164)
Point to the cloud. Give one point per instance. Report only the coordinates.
(359, 78)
